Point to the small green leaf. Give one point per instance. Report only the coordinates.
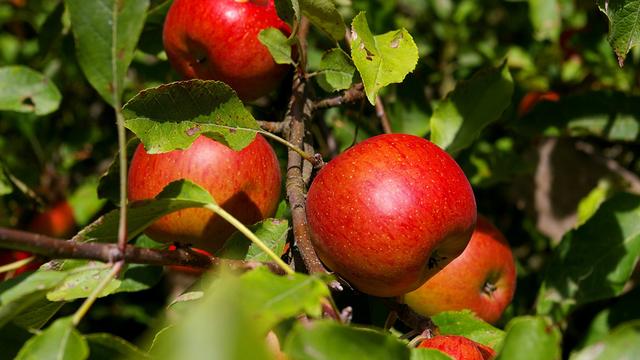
(474, 104)
(278, 45)
(428, 354)
(590, 203)
(172, 116)
(186, 297)
(106, 346)
(465, 323)
(325, 339)
(622, 343)
(545, 16)
(288, 10)
(106, 33)
(324, 15)
(336, 70)
(176, 196)
(624, 25)
(381, 59)
(593, 262)
(530, 337)
(5, 184)
(60, 341)
(85, 202)
(25, 90)
(622, 310)
(273, 232)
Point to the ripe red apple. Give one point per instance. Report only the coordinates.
(390, 212)
(57, 221)
(245, 183)
(459, 347)
(482, 279)
(10, 256)
(534, 97)
(218, 40)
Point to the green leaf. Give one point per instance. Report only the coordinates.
(622, 310)
(336, 70)
(545, 16)
(106, 346)
(38, 313)
(530, 337)
(172, 116)
(176, 196)
(324, 15)
(278, 45)
(624, 25)
(106, 33)
(428, 354)
(60, 341)
(288, 10)
(595, 261)
(271, 298)
(5, 184)
(273, 232)
(590, 203)
(609, 115)
(622, 343)
(85, 202)
(474, 104)
(465, 323)
(325, 339)
(25, 90)
(381, 59)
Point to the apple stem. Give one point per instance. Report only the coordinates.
(16, 265)
(88, 302)
(251, 236)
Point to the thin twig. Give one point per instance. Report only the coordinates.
(66, 249)
(410, 317)
(88, 302)
(275, 127)
(351, 95)
(382, 115)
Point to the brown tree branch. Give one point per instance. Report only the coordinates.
(353, 94)
(411, 318)
(300, 111)
(382, 115)
(275, 127)
(67, 249)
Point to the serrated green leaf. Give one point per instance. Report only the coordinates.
(465, 323)
(622, 343)
(474, 104)
(324, 15)
(545, 16)
(273, 232)
(172, 116)
(25, 90)
(595, 261)
(329, 340)
(336, 70)
(530, 337)
(624, 25)
(381, 59)
(106, 33)
(60, 341)
(106, 346)
(428, 354)
(278, 45)
(176, 196)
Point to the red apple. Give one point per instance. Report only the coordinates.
(218, 40)
(390, 212)
(534, 97)
(482, 279)
(459, 347)
(57, 221)
(10, 256)
(245, 183)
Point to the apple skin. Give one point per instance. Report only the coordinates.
(10, 256)
(245, 183)
(57, 221)
(389, 213)
(482, 279)
(459, 347)
(534, 97)
(218, 40)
